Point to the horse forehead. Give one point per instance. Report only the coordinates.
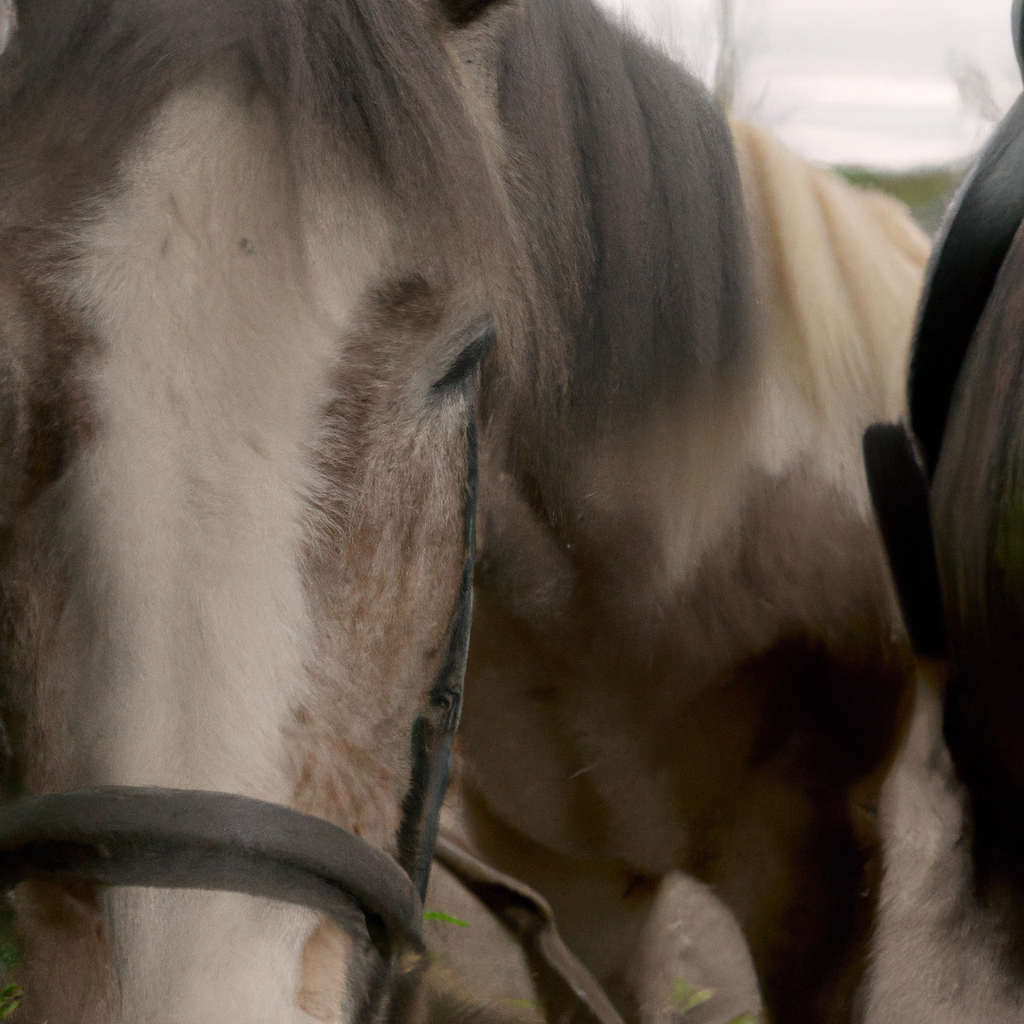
(222, 301)
(211, 201)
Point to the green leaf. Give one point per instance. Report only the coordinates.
(437, 915)
(681, 991)
(687, 997)
(9, 954)
(697, 998)
(10, 1000)
(743, 1018)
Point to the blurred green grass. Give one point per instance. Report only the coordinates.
(927, 191)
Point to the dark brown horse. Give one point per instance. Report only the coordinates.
(957, 922)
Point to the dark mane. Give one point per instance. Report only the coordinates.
(623, 171)
(658, 284)
(624, 180)
(663, 299)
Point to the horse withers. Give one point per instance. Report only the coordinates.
(244, 263)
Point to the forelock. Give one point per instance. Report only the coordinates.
(370, 77)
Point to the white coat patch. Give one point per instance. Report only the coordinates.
(220, 306)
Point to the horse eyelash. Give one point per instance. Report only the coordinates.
(468, 359)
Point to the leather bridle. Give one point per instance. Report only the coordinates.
(169, 838)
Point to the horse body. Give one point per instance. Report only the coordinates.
(686, 652)
(235, 457)
(938, 951)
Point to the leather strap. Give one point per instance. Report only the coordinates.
(530, 917)
(434, 731)
(196, 840)
(190, 839)
(899, 494)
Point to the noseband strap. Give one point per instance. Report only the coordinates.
(190, 839)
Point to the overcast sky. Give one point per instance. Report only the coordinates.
(867, 82)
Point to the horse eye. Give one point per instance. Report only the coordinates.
(468, 359)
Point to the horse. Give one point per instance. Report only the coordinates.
(254, 256)
(246, 285)
(946, 488)
(687, 653)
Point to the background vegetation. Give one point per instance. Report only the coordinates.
(927, 192)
